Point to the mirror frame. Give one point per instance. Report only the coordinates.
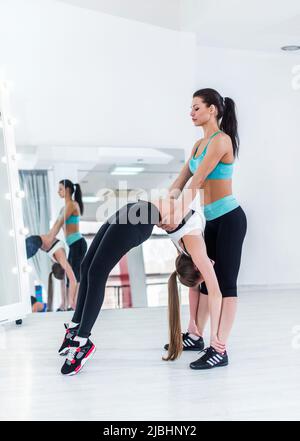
(14, 311)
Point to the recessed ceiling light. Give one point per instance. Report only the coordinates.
(90, 199)
(129, 171)
(291, 48)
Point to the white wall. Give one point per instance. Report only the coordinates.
(164, 13)
(266, 176)
(87, 78)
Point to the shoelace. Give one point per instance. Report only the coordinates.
(203, 350)
(71, 353)
(211, 354)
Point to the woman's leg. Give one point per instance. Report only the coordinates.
(194, 298)
(229, 307)
(79, 251)
(64, 298)
(230, 240)
(84, 272)
(202, 313)
(210, 237)
(117, 241)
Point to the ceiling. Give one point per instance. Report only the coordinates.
(94, 166)
(249, 24)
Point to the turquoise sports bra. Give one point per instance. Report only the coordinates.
(221, 171)
(73, 219)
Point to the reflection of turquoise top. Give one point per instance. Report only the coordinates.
(73, 219)
(221, 171)
(73, 237)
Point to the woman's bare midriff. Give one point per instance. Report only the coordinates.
(215, 189)
(70, 229)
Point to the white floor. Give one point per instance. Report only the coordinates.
(126, 379)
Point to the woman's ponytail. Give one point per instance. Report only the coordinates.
(78, 197)
(50, 293)
(175, 337)
(229, 124)
(74, 189)
(226, 115)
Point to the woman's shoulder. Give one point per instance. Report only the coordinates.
(196, 146)
(223, 137)
(72, 206)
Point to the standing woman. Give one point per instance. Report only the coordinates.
(211, 166)
(68, 219)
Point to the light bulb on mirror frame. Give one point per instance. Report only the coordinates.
(7, 196)
(12, 121)
(20, 194)
(12, 233)
(16, 157)
(7, 84)
(24, 231)
(15, 270)
(27, 269)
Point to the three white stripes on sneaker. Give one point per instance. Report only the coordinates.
(188, 342)
(214, 360)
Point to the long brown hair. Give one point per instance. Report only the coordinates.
(189, 276)
(76, 189)
(59, 273)
(226, 117)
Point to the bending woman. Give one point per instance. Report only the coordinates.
(69, 219)
(57, 253)
(211, 168)
(129, 227)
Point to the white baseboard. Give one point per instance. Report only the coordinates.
(269, 287)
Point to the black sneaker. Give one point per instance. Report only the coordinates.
(210, 359)
(189, 344)
(70, 334)
(77, 357)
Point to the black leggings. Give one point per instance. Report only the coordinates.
(224, 237)
(127, 228)
(76, 254)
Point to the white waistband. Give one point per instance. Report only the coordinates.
(57, 246)
(195, 222)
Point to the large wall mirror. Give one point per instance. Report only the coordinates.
(9, 279)
(108, 178)
(14, 293)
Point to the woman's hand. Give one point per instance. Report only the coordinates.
(168, 227)
(47, 241)
(217, 345)
(168, 222)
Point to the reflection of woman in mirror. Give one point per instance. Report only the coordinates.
(58, 273)
(57, 253)
(68, 219)
(128, 228)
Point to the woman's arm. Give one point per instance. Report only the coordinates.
(195, 245)
(183, 177)
(214, 154)
(60, 256)
(67, 212)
